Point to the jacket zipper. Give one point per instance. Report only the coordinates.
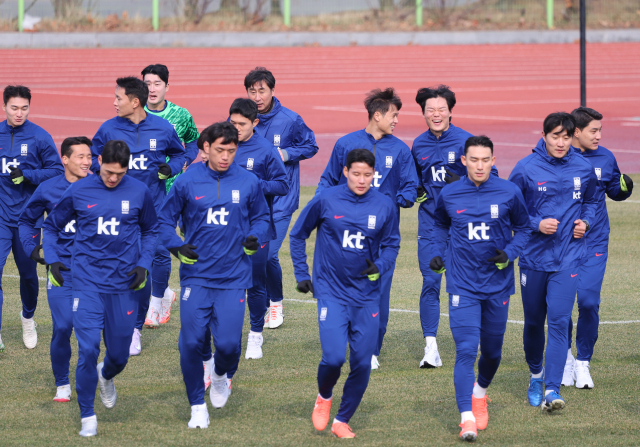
(11, 147)
(218, 187)
(137, 136)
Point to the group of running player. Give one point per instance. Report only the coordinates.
(105, 233)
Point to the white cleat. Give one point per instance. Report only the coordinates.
(267, 319)
(375, 364)
(167, 301)
(1, 345)
(108, 393)
(89, 426)
(63, 394)
(229, 385)
(199, 416)
(29, 333)
(275, 316)
(431, 357)
(583, 375)
(152, 319)
(219, 392)
(254, 346)
(208, 366)
(568, 376)
(135, 347)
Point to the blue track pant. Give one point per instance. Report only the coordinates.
(340, 326)
(223, 311)
(589, 287)
(94, 314)
(274, 271)
(474, 320)
(385, 299)
(10, 241)
(61, 304)
(430, 295)
(550, 295)
(157, 282)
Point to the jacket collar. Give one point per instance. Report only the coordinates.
(5, 127)
(220, 175)
(444, 135)
(273, 112)
(541, 150)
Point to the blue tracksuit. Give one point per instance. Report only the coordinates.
(289, 134)
(350, 230)
(477, 220)
(563, 189)
(592, 271)
(433, 157)
(116, 231)
(395, 177)
(150, 142)
(44, 199)
(30, 148)
(219, 211)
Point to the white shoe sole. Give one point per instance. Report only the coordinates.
(199, 424)
(469, 436)
(557, 404)
(253, 356)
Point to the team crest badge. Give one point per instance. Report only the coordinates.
(389, 161)
(455, 300)
(235, 196)
(250, 164)
(125, 207)
(75, 304)
(599, 173)
(187, 292)
(452, 157)
(372, 222)
(576, 183)
(495, 213)
(523, 280)
(323, 314)
(276, 140)
(152, 144)
(24, 150)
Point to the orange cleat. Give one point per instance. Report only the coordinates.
(342, 430)
(165, 313)
(320, 415)
(480, 412)
(469, 431)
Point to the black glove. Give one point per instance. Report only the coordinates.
(16, 176)
(251, 245)
(437, 265)
(164, 171)
(141, 278)
(451, 177)
(35, 255)
(422, 194)
(501, 260)
(628, 182)
(185, 253)
(371, 271)
(55, 277)
(305, 286)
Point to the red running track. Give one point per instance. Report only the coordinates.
(503, 91)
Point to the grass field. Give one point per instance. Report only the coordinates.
(273, 397)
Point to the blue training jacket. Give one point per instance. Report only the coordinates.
(116, 231)
(288, 132)
(563, 189)
(257, 156)
(432, 157)
(478, 220)
(150, 142)
(350, 230)
(219, 211)
(395, 172)
(30, 148)
(608, 174)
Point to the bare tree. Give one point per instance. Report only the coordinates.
(66, 8)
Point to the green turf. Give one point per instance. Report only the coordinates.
(273, 397)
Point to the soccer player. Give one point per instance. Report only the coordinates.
(226, 219)
(295, 142)
(116, 233)
(477, 216)
(156, 77)
(394, 176)
(437, 154)
(617, 187)
(29, 157)
(152, 140)
(560, 190)
(76, 158)
(358, 226)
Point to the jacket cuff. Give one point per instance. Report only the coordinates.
(285, 155)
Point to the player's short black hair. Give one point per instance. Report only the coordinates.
(436, 91)
(381, 100)
(134, 88)
(244, 107)
(562, 119)
(584, 115)
(157, 69)
(201, 139)
(479, 140)
(16, 91)
(116, 151)
(361, 156)
(259, 74)
(72, 141)
(224, 130)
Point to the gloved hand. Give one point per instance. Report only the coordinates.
(164, 171)
(185, 254)
(305, 286)
(16, 176)
(501, 260)
(141, 278)
(251, 245)
(437, 265)
(422, 194)
(35, 255)
(55, 277)
(626, 183)
(371, 271)
(451, 177)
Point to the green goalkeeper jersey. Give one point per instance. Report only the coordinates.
(183, 123)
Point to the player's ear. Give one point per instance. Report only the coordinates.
(100, 159)
(255, 122)
(345, 171)
(463, 159)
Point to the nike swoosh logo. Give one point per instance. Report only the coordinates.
(541, 183)
(573, 276)
(375, 315)
(460, 211)
(597, 254)
(242, 300)
(504, 303)
(262, 246)
(424, 158)
(91, 206)
(129, 312)
(338, 217)
(35, 236)
(198, 198)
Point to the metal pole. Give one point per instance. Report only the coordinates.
(156, 11)
(418, 12)
(583, 53)
(550, 14)
(20, 14)
(286, 13)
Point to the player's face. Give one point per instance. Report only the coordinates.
(157, 89)
(220, 156)
(437, 115)
(359, 177)
(243, 125)
(388, 121)
(261, 94)
(478, 161)
(558, 142)
(17, 110)
(124, 106)
(589, 137)
(111, 173)
(79, 162)
(203, 156)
